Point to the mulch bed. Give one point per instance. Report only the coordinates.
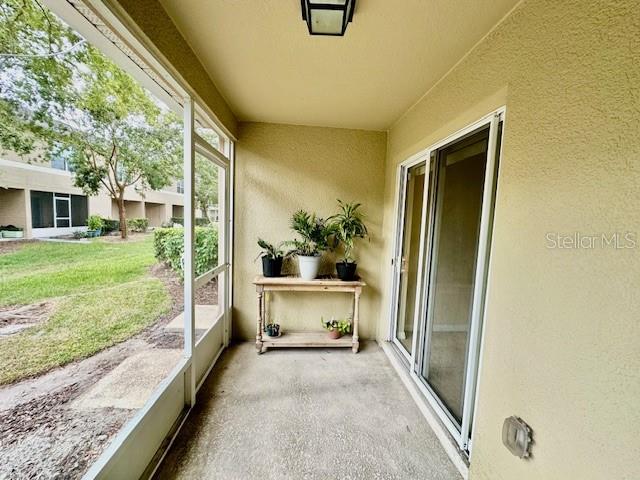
(12, 246)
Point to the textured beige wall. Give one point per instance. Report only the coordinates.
(13, 207)
(562, 335)
(282, 168)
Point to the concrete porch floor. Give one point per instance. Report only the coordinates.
(312, 414)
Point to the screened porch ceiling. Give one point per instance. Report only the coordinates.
(269, 69)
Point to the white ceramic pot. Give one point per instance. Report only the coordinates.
(308, 267)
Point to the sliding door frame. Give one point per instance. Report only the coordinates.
(460, 432)
(396, 261)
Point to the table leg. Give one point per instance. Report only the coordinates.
(356, 318)
(260, 319)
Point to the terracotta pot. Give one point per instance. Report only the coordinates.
(334, 334)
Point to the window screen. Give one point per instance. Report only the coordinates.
(41, 209)
(79, 211)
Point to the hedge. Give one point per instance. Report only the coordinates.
(199, 222)
(168, 247)
(109, 225)
(137, 224)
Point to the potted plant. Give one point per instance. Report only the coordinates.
(315, 233)
(94, 225)
(272, 329)
(272, 256)
(337, 328)
(348, 225)
(11, 231)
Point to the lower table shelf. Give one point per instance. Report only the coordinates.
(307, 339)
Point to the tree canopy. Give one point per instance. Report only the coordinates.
(59, 94)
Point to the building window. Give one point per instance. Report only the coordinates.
(79, 211)
(59, 210)
(61, 159)
(41, 209)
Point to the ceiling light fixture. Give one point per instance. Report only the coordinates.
(327, 17)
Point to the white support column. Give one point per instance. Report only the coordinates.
(229, 215)
(189, 269)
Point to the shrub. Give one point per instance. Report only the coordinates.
(78, 234)
(10, 228)
(168, 246)
(138, 224)
(199, 222)
(109, 225)
(94, 222)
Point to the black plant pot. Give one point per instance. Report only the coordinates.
(271, 267)
(346, 271)
(272, 330)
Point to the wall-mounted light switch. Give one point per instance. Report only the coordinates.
(516, 436)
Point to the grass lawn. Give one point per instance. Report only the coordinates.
(102, 291)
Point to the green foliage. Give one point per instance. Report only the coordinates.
(198, 222)
(109, 225)
(206, 186)
(343, 325)
(59, 91)
(79, 234)
(316, 234)
(10, 228)
(95, 222)
(169, 247)
(139, 225)
(348, 225)
(271, 251)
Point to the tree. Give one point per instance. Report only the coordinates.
(206, 186)
(60, 91)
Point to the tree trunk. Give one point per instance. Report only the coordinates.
(123, 216)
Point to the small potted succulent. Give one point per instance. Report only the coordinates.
(348, 225)
(337, 328)
(272, 256)
(272, 329)
(11, 231)
(315, 234)
(94, 225)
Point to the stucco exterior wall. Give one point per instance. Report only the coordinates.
(36, 175)
(13, 207)
(562, 336)
(283, 168)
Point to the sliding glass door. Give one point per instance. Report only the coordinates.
(408, 260)
(441, 295)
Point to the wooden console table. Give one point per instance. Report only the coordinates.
(305, 339)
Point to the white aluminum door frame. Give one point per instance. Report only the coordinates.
(461, 433)
(402, 181)
(57, 197)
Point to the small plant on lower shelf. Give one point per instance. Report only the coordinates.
(272, 329)
(337, 328)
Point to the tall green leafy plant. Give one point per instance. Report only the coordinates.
(348, 225)
(315, 234)
(271, 250)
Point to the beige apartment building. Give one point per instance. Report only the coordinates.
(39, 196)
